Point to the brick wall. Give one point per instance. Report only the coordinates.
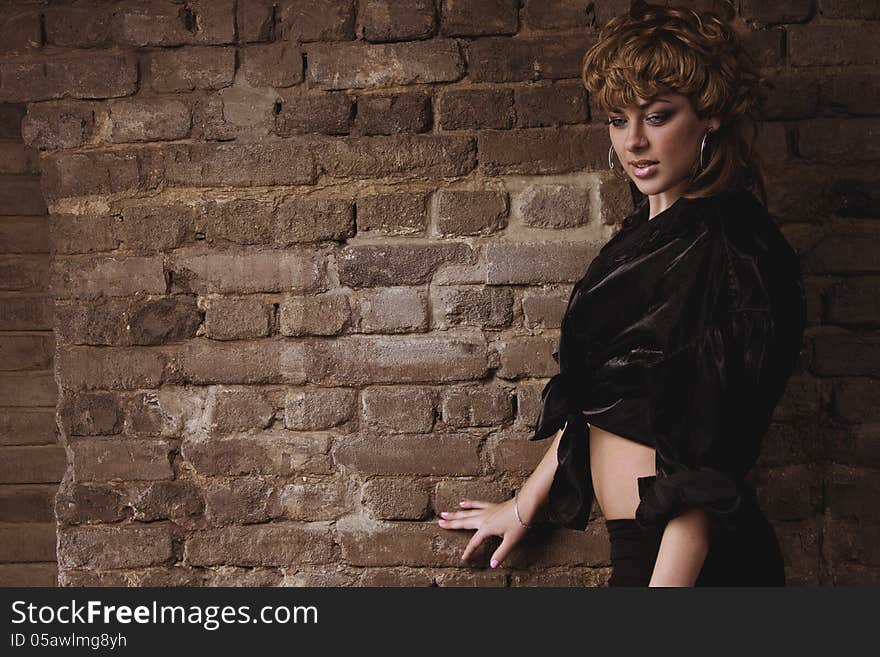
(31, 459)
(309, 261)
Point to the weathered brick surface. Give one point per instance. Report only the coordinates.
(281, 280)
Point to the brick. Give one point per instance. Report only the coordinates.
(239, 221)
(851, 493)
(551, 105)
(32, 464)
(855, 93)
(568, 578)
(852, 140)
(311, 501)
(206, 362)
(244, 577)
(29, 273)
(472, 305)
(109, 367)
(148, 119)
(29, 541)
(301, 220)
(399, 213)
(390, 114)
(26, 352)
(90, 504)
(370, 265)
(275, 544)
(397, 409)
(357, 65)
(241, 165)
(94, 172)
(563, 15)
(21, 195)
(354, 360)
(469, 578)
(246, 273)
(479, 19)
(28, 388)
(789, 11)
(167, 412)
(842, 253)
(470, 213)
(475, 109)
(147, 229)
(315, 20)
(397, 20)
(538, 262)
(191, 67)
(448, 493)
(18, 158)
(232, 112)
(855, 400)
(528, 402)
(23, 234)
(58, 124)
(90, 413)
(87, 74)
(11, 116)
(29, 575)
(855, 198)
(20, 30)
(411, 454)
(505, 59)
(515, 454)
(849, 9)
(832, 44)
(398, 544)
(527, 356)
(391, 310)
(544, 308)
(324, 314)
(95, 578)
(844, 354)
(267, 452)
(849, 540)
(792, 492)
(164, 500)
(27, 426)
(96, 276)
(27, 503)
(414, 156)
(764, 46)
(476, 406)
(255, 20)
(272, 65)
(124, 546)
(554, 206)
(390, 498)
(108, 459)
(854, 302)
(237, 319)
(239, 500)
(328, 113)
(78, 27)
(391, 577)
(166, 24)
(541, 150)
(169, 576)
(616, 201)
(794, 95)
(237, 409)
(318, 408)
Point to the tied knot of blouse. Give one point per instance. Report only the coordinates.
(681, 335)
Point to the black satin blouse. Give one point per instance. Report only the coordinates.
(681, 335)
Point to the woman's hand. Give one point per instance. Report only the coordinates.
(489, 519)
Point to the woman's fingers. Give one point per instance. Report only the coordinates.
(502, 552)
(473, 504)
(473, 544)
(468, 522)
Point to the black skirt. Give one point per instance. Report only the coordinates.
(748, 555)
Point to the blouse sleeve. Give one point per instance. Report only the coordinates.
(710, 406)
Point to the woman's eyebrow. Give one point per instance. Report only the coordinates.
(645, 104)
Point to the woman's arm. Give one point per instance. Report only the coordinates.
(683, 549)
(535, 490)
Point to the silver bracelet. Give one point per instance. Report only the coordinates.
(516, 509)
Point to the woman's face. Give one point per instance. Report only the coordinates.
(665, 130)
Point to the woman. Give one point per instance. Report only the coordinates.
(678, 341)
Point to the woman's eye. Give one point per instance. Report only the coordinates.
(655, 119)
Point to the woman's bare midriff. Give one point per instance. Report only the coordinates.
(616, 463)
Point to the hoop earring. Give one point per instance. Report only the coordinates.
(610, 161)
(703, 148)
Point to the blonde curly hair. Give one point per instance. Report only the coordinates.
(654, 50)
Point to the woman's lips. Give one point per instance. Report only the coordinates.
(644, 171)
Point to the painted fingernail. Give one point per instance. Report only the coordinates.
(443, 513)
(493, 563)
